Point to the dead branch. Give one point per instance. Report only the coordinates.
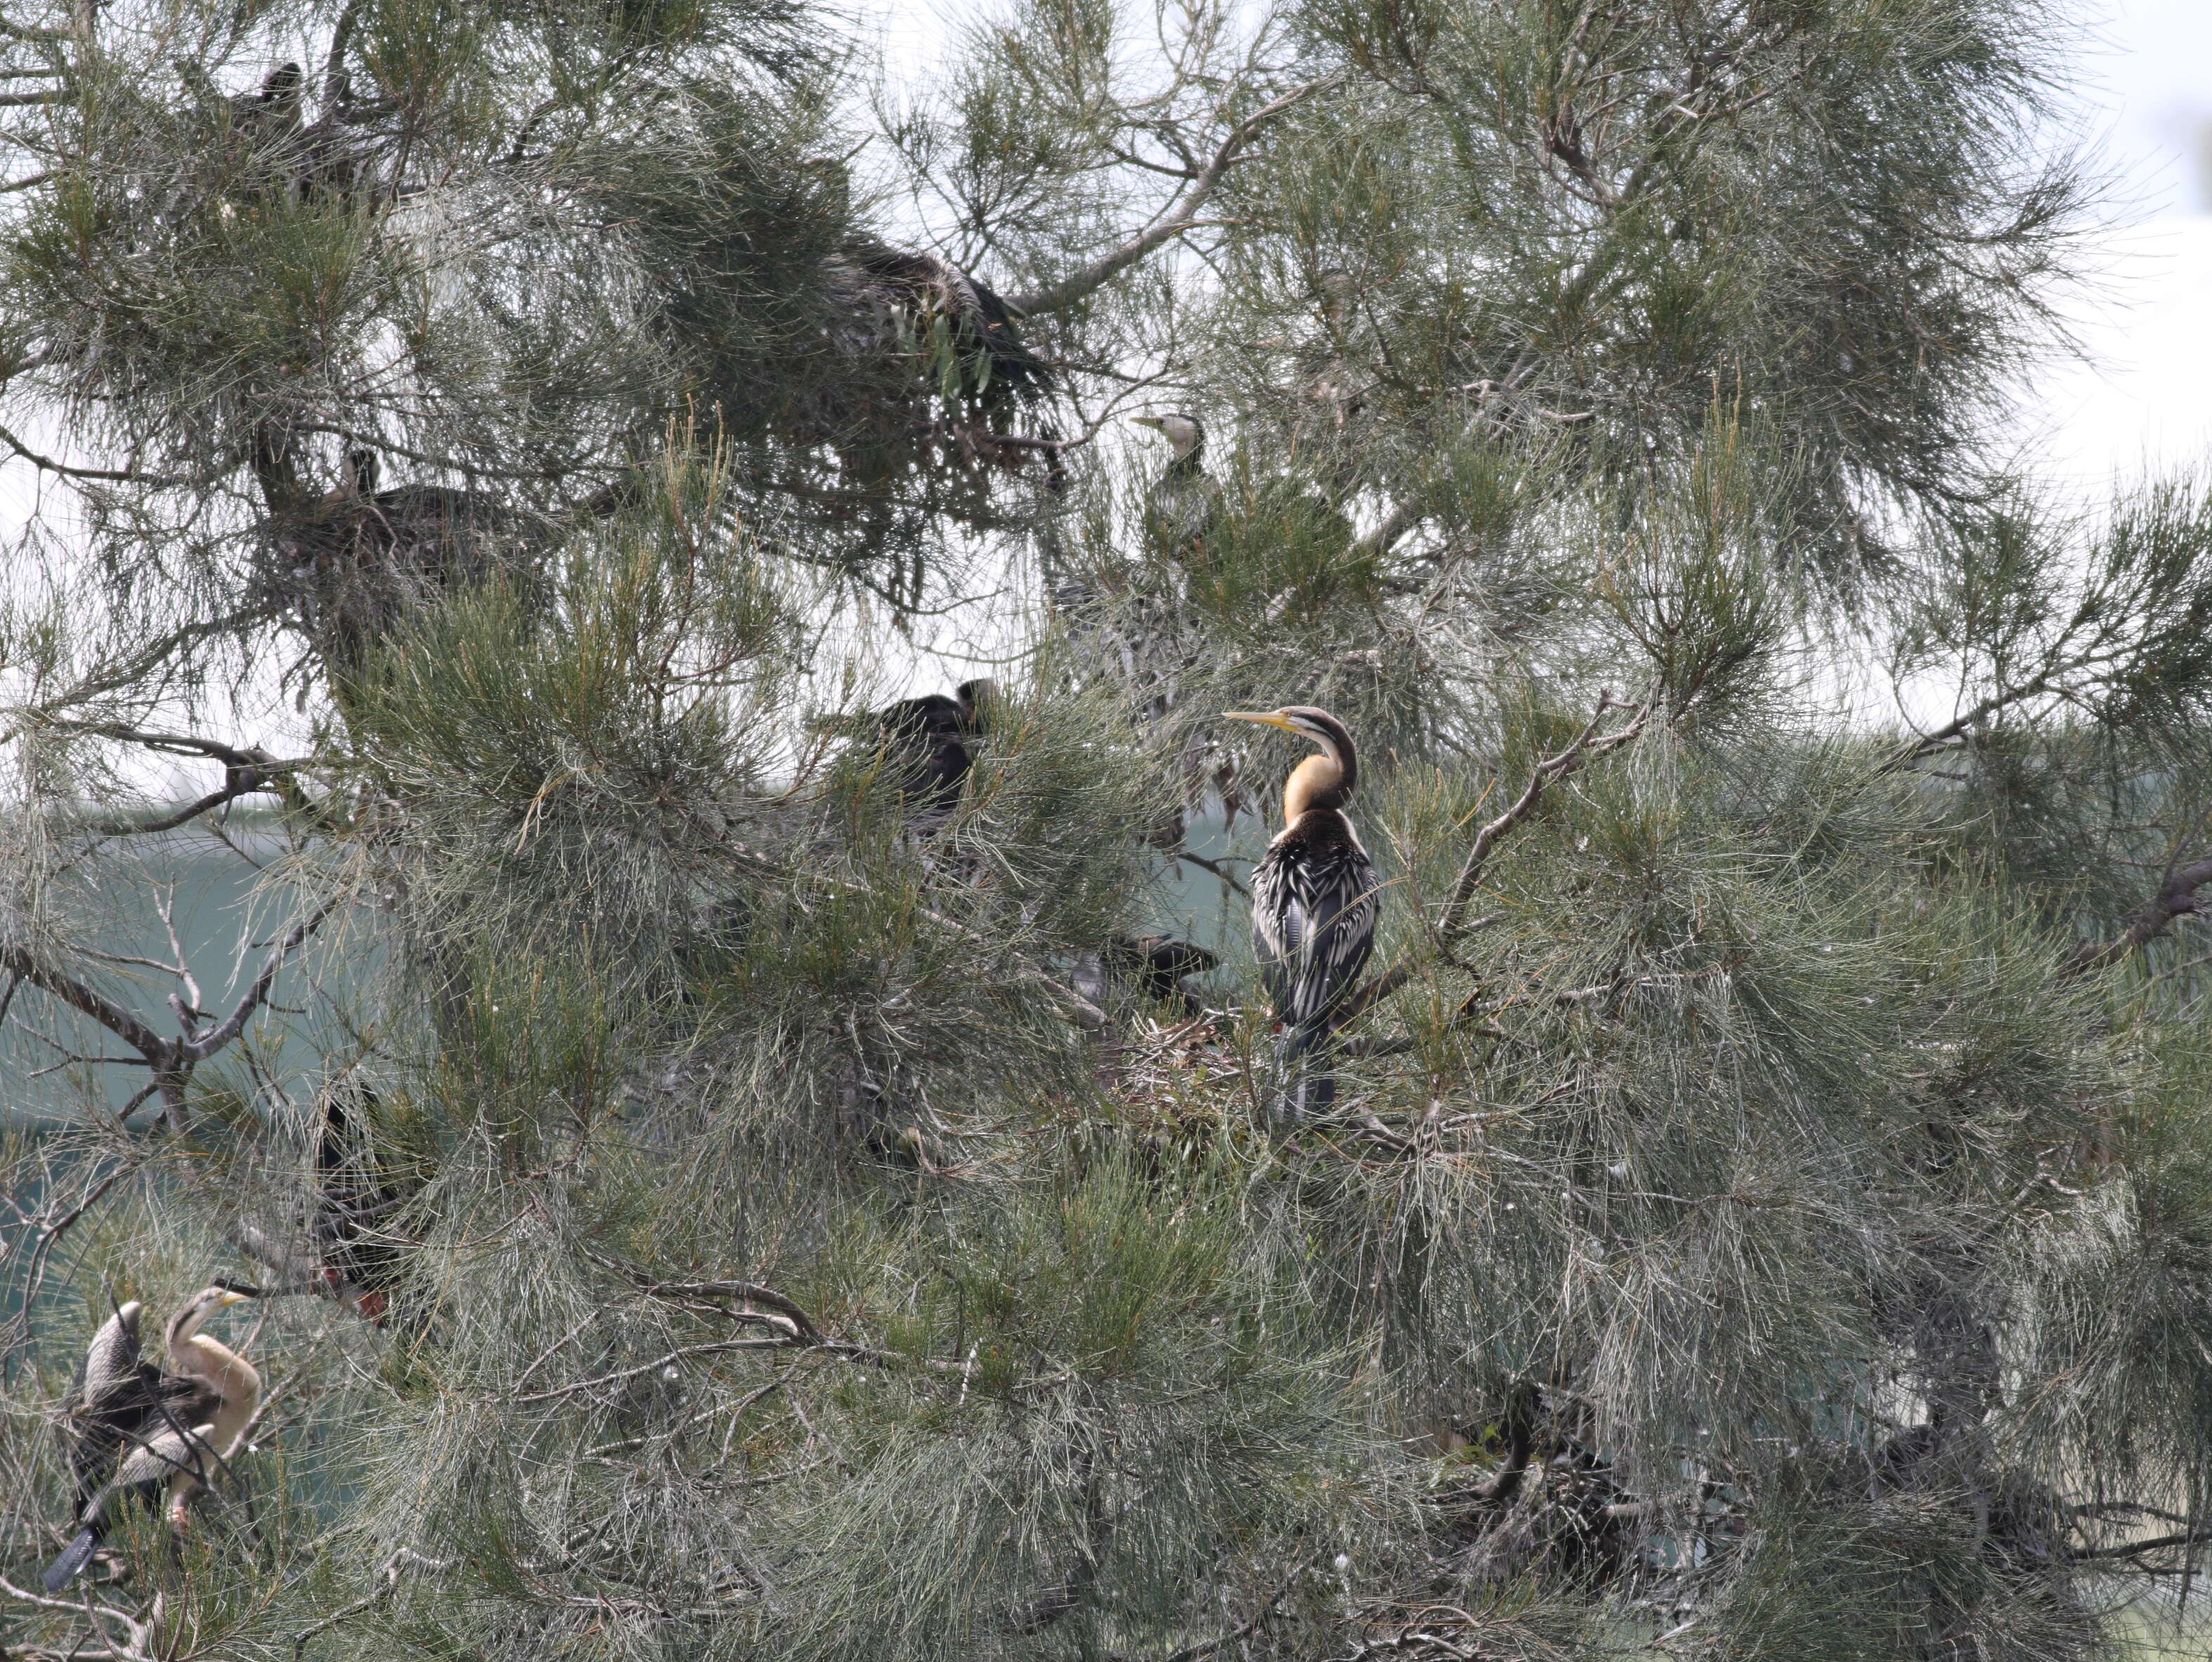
(1178, 216)
(170, 1060)
(2176, 898)
(1454, 925)
(1588, 745)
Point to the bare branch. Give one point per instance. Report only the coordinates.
(1178, 216)
(1374, 992)
(63, 470)
(1548, 771)
(2176, 898)
(171, 1059)
(183, 815)
(234, 1023)
(712, 1348)
(18, 960)
(2187, 1537)
(1454, 923)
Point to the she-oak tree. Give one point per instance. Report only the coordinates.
(1766, 1209)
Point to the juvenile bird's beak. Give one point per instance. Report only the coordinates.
(230, 1297)
(1265, 718)
(1155, 422)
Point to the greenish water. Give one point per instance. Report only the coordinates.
(225, 912)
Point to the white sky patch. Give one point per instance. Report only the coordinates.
(2137, 403)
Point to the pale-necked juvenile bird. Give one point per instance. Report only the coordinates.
(133, 1429)
(1184, 500)
(1315, 900)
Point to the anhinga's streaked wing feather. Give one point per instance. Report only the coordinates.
(171, 1441)
(115, 1393)
(1314, 905)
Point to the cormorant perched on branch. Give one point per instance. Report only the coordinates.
(955, 313)
(1158, 964)
(948, 368)
(364, 558)
(360, 1253)
(132, 1429)
(1184, 500)
(926, 746)
(1315, 898)
(273, 110)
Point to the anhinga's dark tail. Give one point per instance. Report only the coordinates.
(75, 1556)
(1304, 1058)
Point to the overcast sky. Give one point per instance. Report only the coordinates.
(2141, 403)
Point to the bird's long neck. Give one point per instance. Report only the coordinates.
(1319, 781)
(230, 1376)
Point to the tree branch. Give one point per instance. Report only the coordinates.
(252, 784)
(234, 1023)
(1179, 216)
(171, 1059)
(2176, 898)
(47, 465)
(2186, 1538)
(1547, 772)
(18, 960)
(1374, 992)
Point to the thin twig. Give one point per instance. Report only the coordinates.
(1180, 216)
(1547, 772)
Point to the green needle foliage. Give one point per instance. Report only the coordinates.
(723, 1185)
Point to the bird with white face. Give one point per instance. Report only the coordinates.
(1184, 500)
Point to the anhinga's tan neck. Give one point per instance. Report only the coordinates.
(1319, 781)
(230, 1376)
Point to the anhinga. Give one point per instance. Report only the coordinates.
(133, 1429)
(1314, 898)
(361, 1255)
(1184, 500)
(974, 323)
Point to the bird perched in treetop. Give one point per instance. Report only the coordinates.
(1315, 900)
(132, 1429)
(364, 558)
(273, 110)
(354, 1222)
(927, 745)
(1184, 500)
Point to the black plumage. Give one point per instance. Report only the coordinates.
(274, 109)
(926, 753)
(928, 747)
(360, 1251)
(364, 558)
(1157, 964)
(1316, 898)
(954, 315)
